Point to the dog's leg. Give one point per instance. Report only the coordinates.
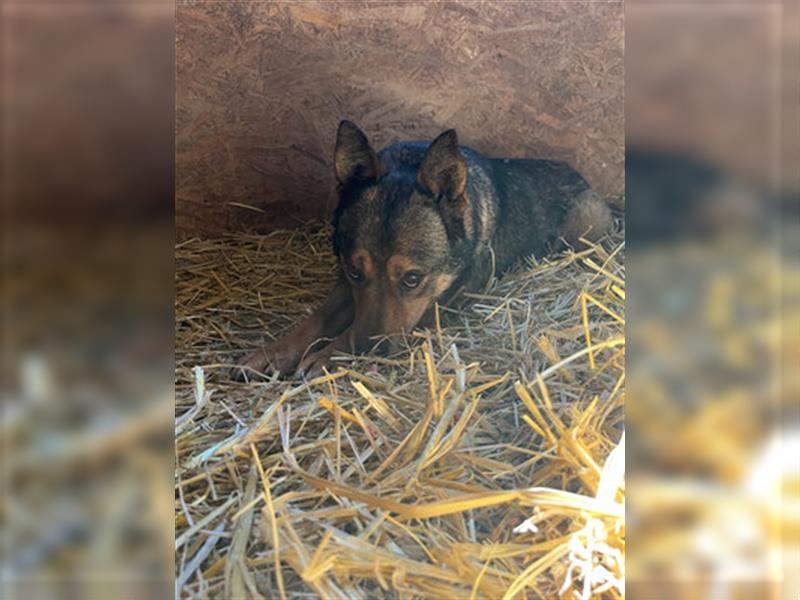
(328, 321)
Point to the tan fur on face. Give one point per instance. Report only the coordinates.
(405, 313)
(442, 282)
(362, 260)
(398, 265)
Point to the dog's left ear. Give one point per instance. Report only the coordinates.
(443, 170)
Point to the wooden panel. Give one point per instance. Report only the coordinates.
(261, 88)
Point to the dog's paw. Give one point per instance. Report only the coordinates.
(264, 361)
(250, 365)
(314, 364)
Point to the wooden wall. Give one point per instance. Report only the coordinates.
(261, 88)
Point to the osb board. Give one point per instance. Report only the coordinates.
(261, 88)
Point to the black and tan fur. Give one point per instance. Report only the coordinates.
(419, 222)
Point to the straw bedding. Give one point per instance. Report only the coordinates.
(473, 464)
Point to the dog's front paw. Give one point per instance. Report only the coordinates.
(250, 365)
(264, 361)
(314, 364)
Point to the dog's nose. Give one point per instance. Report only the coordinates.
(392, 344)
(382, 346)
(360, 343)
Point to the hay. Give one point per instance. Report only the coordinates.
(471, 464)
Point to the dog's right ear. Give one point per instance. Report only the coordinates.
(443, 170)
(354, 159)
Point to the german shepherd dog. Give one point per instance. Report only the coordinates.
(416, 224)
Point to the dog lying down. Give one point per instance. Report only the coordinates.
(419, 222)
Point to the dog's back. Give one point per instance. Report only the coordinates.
(534, 198)
(519, 206)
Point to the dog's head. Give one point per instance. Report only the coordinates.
(401, 233)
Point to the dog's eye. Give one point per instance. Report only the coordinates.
(354, 274)
(412, 279)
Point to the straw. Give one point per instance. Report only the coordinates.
(471, 463)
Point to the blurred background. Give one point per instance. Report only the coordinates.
(711, 197)
(712, 221)
(87, 237)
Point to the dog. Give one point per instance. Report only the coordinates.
(416, 224)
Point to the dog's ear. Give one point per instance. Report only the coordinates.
(443, 170)
(354, 159)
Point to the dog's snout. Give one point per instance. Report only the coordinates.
(382, 318)
(371, 333)
(361, 334)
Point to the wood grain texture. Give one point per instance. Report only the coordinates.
(261, 88)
